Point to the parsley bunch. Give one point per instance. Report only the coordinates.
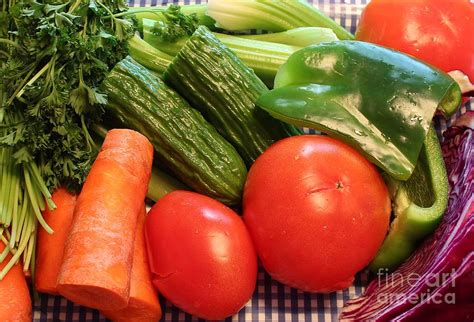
(175, 25)
(53, 56)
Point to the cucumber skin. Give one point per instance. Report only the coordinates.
(184, 141)
(215, 81)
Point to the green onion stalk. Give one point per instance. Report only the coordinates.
(23, 197)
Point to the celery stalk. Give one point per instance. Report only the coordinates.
(275, 15)
(265, 58)
(148, 56)
(302, 36)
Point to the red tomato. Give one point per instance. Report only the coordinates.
(201, 255)
(440, 32)
(317, 212)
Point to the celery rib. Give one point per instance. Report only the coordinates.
(148, 56)
(302, 36)
(278, 15)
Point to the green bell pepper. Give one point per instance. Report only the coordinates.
(418, 205)
(376, 99)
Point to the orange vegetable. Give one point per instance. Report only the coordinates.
(15, 303)
(99, 251)
(143, 305)
(50, 249)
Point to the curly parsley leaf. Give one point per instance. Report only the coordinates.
(175, 24)
(57, 54)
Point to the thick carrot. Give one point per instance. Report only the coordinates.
(15, 300)
(143, 305)
(99, 251)
(50, 247)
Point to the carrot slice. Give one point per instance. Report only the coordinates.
(50, 247)
(143, 305)
(15, 303)
(99, 251)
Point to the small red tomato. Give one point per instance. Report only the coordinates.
(201, 255)
(317, 212)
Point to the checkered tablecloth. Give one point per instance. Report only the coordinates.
(271, 301)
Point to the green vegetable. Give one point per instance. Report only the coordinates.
(175, 24)
(185, 143)
(265, 58)
(148, 56)
(53, 56)
(151, 37)
(378, 100)
(165, 14)
(418, 203)
(161, 184)
(301, 37)
(274, 15)
(214, 80)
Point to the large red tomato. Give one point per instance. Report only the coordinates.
(201, 255)
(440, 32)
(317, 211)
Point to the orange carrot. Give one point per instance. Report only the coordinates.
(50, 247)
(98, 256)
(15, 301)
(143, 305)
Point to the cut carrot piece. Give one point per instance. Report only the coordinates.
(15, 303)
(98, 256)
(50, 247)
(143, 305)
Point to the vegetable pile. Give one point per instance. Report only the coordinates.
(140, 100)
(102, 107)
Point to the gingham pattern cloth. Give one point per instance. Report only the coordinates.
(271, 301)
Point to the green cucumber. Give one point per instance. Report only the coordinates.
(215, 81)
(184, 142)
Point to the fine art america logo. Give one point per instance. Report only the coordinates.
(404, 282)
